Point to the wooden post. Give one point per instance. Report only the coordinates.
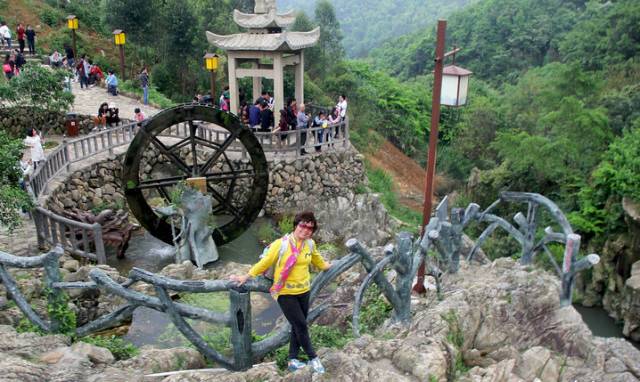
(233, 84)
(278, 87)
(75, 49)
(124, 78)
(433, 141)
(213, 88)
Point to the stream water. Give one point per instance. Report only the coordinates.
(601, 324)
(150, 327)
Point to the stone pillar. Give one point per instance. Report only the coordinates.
(299, 79)
(278, 86)
(257, 83)
(233, 83)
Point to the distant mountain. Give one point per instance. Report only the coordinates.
(368, 23)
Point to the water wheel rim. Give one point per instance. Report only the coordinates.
(149, 129)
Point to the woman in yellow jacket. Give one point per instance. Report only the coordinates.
(292, 283)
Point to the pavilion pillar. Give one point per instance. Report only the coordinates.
(278, 86)
(233, 84)
(257, 82)
(299, 79)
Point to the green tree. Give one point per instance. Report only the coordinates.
(12, 198)
(135, 17)
(37, 87)
(330, 46)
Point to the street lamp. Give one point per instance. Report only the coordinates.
(120, 39)
(72, 23)
(455, 86)
(211, 63)
(450, 86)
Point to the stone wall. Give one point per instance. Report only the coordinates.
(16, 120)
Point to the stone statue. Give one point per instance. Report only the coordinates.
(264, 6)
(194, 242)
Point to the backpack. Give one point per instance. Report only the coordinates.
(270, 273)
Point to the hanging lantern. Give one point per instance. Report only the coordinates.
(72, 22)
(119, 37)
(455, 86)
(211, 61)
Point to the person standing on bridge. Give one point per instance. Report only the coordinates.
(33, 141)
(20, 33)
(144, 84)
(292, 283)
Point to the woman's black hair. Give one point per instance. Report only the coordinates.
(305, 216)
(30, 132)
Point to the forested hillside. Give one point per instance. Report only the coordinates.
(368, 23)
(554, 101)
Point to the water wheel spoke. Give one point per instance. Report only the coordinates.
(172, 157)
(163, 192)
(194, 153)
(230, 139)
(229, 175)
(203, 142)
(223, 202)
(179, 145)
(162, 182)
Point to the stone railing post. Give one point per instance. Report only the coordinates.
(240, 310)
(97, 238)
(65, 153)
(299, 142)
(345, 127)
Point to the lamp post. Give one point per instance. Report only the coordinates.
(450, 86)
(120, 38)
(72, 23)
(211, 63)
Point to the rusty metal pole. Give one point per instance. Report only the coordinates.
(75, 49)
(122, 62)
(213, 88)
(433, 141)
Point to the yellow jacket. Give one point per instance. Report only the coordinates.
(299, 280)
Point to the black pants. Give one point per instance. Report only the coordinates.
(295, 309)
(32, 46)
(21, 42)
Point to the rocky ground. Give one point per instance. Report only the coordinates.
(495, 322)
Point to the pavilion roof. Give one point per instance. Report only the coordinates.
(287, 41)
(264, 20)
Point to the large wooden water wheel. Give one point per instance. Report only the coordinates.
(196, 143)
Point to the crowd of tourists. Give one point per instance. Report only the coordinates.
(259, 116)
(15, 59)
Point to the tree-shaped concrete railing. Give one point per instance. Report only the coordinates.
(238, 318)
(444, 235)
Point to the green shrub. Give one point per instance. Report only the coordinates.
(375, 309)
(50, 17)
(285, 224)
(382, 183)
(155, 97)
(116, 345)
(26, 326)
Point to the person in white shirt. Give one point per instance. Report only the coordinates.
(34, 142)
(342, 105)
(5, 33)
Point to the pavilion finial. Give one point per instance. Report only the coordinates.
(264, 6)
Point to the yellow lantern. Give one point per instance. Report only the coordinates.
(119, 37)
(211, 61)
(72, 22)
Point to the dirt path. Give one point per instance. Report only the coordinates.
(408, 176)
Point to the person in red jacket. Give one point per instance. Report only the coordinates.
(21, 35)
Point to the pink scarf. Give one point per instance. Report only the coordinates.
(288, 265)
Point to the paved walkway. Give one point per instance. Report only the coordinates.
(22, 242)
(87, 101)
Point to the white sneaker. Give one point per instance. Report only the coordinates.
(317, 365)
(295, 364)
